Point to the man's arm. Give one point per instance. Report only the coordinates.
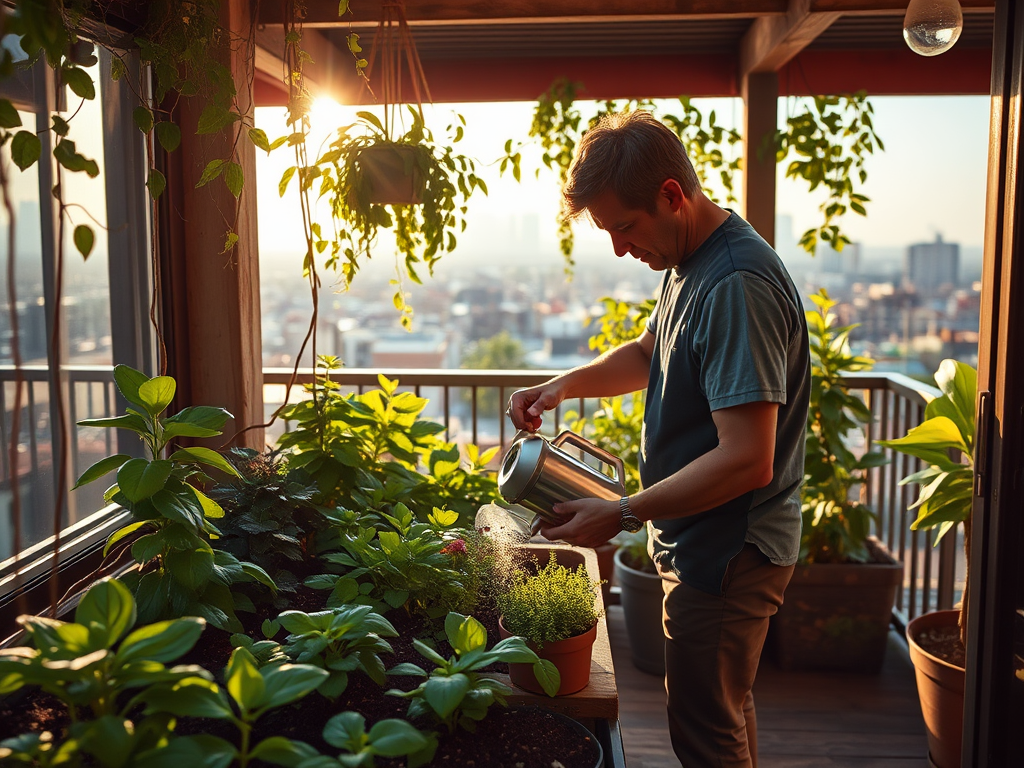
(741, 462)
(617, 372)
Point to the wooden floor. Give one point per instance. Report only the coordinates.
(805, 720)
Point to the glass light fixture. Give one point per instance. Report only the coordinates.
(932, 27)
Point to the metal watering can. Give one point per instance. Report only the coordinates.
(537, 474)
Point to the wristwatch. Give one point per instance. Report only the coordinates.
(629, 522)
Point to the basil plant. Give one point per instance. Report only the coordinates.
(182, 573)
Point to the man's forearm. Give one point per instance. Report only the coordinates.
(618, 371)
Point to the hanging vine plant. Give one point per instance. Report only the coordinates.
(829, 140)
(556, 127)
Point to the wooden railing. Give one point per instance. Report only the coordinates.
(471, 406)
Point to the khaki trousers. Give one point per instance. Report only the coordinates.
(713, 645)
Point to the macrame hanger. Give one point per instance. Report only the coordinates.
(392, 36)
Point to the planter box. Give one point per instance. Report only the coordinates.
(600, 699)
(837, 617)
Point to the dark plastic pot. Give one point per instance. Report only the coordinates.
(391, 175)
(940, 686)
(642, 598)
(578, 727)
(570, 656)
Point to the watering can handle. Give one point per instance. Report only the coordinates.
(598, 453)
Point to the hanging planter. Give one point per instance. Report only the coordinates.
(391, 174)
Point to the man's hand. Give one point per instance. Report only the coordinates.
(588, 522)
(526, 405)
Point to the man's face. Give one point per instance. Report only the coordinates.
(650, 238)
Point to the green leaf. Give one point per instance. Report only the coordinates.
(211, 509)
(930, 441)
(25, 149)
(156, 183)
(79, 81)
(121, 533)
(259, 138)
(190, 567)
(163, 641)
(139, 479)
(128, 381)
(109, 604)
(173, 507)
(84, 239)
(9, 117)
(143, 119)
(393, 738)
(156, 394)
(130, 421)
(345, 730)
(464, 633)
(109, 739)
(286, 683)
(234, 178)
(213, 169)
(169, 135)
(191, 697)
(285, 178)
(101, 468)
(196, 421)
(230, 241)
(204, 456)
(244, 682)
(407, 668)
(214, 118)
(444, 694)
(548, 676)
(283, 751)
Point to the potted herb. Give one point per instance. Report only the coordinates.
(555, 610)
(944, 501)
(839, 603)
(642, 598)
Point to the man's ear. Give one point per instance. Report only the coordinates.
(673, 194)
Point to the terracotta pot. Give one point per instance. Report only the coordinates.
(642, 599)
(570, 656)
(391, 175)
(606, 567)
(941, 688)
(837, 616)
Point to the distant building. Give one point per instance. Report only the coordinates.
(932, 268)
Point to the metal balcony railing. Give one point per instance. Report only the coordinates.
(470, 404)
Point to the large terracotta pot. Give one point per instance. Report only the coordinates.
(570, 656)
(941, 688)
(836, 616)
(642, 598)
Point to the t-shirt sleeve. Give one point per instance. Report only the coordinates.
(652, 319)
(742, 340)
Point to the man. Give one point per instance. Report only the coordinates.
(724, 358)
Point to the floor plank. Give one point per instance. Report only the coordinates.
(805, 719)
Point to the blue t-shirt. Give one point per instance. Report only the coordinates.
(729, 329)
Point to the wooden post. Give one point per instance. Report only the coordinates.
(760, 100)
(215, 296)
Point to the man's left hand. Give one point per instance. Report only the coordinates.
(588, 522)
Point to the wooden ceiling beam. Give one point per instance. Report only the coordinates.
(324, 13)
(328, 67)
(887, 7)
(772, 41)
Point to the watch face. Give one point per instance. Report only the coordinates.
(631, 524)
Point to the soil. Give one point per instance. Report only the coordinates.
(508, 738)
(944, 643)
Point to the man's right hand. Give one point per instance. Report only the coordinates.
(526, 405)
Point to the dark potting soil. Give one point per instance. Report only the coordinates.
(944, 643)
(517, 738)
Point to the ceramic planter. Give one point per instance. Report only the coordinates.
(941, 688)
(391, 175)
(571, 657)
(642, 598)
(837, 617)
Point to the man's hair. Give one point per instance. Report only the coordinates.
(632, 154)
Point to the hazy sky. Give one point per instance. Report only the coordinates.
(930, 179)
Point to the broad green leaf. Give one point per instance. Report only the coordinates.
(139, 479)
(163, 641)
(129, 421)
(211, 509)
(959, 384)
(190, 567)
(214, 118)
(345, 730)
(286, 177)
(286, 683)
(393, 738)
(176, 508)
(284, 751)
(244, 682)
(191, 697)
(108, 738)
(156, 183)
(234, 178)
(156, 394)
(464, 633)
(199, 751)
(9, 117)
(25, 149)
(148, 547)
(257, 574)
(930, 441)
(128, 381)
(213, 169)
(143, 119)
(121, 533)
(425, 650)
(407, 668)
(547, 675)
(84, 239)
(109, 604)
(259, 138)
(444, 694)
(196, 421)
(101, 468)
(204, 456)
(80, 82)
(169, 135)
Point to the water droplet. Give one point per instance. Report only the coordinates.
(932, 27)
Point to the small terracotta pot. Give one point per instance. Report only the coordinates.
(940, 686)
(570, 656)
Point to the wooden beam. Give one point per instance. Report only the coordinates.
(328, 67)
(760, 102)
(368, 12)
(772, 41)
(885, 7)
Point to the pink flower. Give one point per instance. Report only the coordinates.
(457, 547)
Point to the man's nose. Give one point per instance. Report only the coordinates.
(620, 245)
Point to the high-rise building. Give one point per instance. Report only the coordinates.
(932, 268)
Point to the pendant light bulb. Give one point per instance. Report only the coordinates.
(932, 27)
